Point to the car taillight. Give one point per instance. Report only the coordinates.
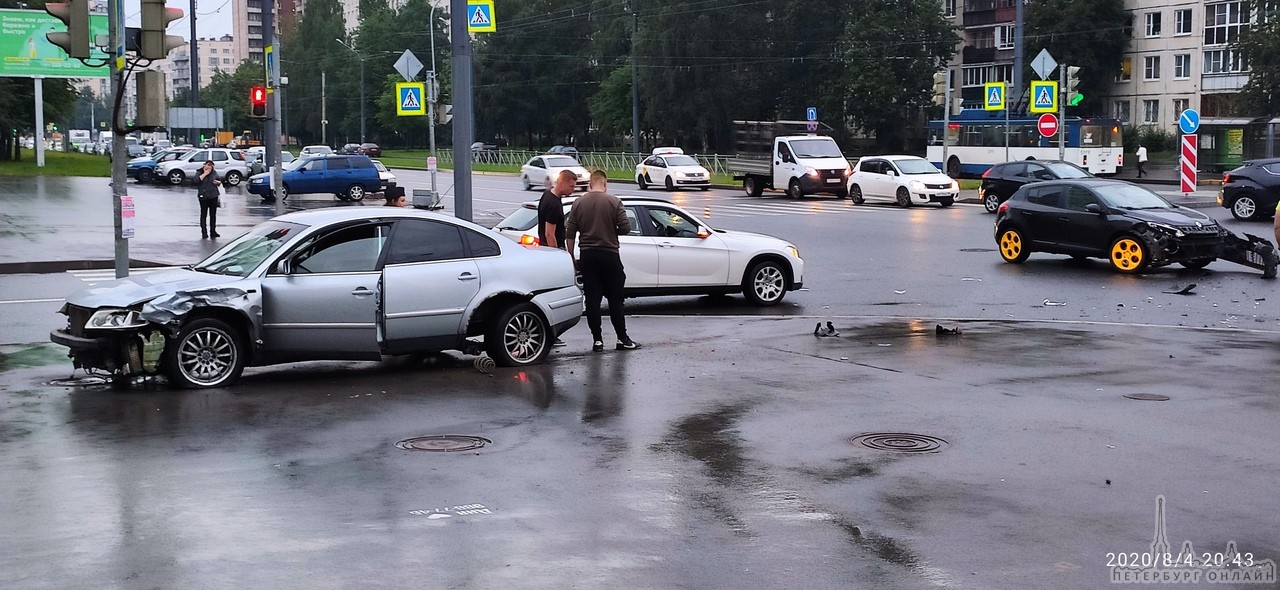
(1226, 178)
(986, 172)
(528, 240)
(1003, 208)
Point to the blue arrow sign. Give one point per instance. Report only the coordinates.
(811, 114)
(1189, 121)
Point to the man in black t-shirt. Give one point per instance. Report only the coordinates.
(551, 210)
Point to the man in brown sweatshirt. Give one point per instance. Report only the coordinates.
(600, 218)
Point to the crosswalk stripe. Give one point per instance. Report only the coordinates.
(99, 275)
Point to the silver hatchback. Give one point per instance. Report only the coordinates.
(328, 284)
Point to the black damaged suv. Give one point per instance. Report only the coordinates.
(1252, 191)
(1127, 224)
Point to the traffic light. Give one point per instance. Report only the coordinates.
(445, 113)
(940, 88)
(1073, 80)
(74, 14)
(155, 44)
(258, 100)
(152, 111)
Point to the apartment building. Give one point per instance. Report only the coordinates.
(247, 29)
(214, 55)
(1179, 56)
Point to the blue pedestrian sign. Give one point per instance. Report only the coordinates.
(1189, 121)
(1044, 96)
(409, 99)
(480, 16)
(811, 114)
(993, 96)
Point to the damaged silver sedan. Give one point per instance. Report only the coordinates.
(328, 284)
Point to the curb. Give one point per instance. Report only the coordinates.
(53, 266)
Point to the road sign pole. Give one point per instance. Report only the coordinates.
(460, 39)
(1006, 128)
(431, 126)
(946, 121)
(1062, 113)
(119, 148)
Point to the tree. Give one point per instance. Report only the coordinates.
(1091, 34)
(382, 38)
(891, 50)
(231, 93)
(1259, 45)
(308, 56)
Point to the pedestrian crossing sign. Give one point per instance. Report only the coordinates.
(1044, 96)
(409, 99)
(994, 96)
(480, 16)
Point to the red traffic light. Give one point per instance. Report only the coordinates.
(258, 99)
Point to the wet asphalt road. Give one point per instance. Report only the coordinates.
(719, 456)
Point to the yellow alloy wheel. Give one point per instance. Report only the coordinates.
(1128, 255)
(1012, 250)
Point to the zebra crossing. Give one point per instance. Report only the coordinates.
(102, 275)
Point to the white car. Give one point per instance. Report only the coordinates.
(671, 252)
(542, 171)
(670, 168)
(388, 179)
(229, 165)
(905, 180)
(315, 150)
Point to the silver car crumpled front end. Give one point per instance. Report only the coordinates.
(131, 340)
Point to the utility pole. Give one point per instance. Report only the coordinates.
(1062, 112)
(462, 108)
(1018, 13)
(324, 111)
(635, 91)
(271, 127)
(195, 76)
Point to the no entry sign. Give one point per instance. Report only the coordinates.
(1047, 124)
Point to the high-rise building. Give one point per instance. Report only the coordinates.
(214, 55)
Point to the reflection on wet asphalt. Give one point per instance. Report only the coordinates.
(714, 457)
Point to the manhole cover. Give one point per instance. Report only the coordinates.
(443, 443)
(1147, 397)
(86, 381)
(977, 249)
(899, 442)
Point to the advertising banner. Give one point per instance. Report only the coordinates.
(25, 52)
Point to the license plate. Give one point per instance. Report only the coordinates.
(833, 180)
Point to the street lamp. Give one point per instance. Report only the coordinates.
(353, 50)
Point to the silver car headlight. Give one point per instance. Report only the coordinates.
(115, 319)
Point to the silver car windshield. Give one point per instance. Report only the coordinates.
(914, 166)
(1129, 196)
(816, 148)
(240, 257)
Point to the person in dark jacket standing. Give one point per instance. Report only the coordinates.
(600, 218)
(551, 215)
(208, 195)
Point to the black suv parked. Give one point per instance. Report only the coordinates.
(1253, 190)
(999, 182)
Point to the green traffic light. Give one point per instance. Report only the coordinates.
(1075, 100)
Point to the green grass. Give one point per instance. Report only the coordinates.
(57, 164)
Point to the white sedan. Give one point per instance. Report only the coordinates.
(541, 171)
(671, 252)
(670, 168)
(905, 180)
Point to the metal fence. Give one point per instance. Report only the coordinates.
(607, 161)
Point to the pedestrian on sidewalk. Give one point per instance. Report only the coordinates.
(551, 216)
(1142, 159)
(208, 196)
(394, 196)
(600, 218)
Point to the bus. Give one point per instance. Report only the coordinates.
(976, 141)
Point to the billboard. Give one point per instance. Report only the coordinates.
(26, 52)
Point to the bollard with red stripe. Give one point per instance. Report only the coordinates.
(1187, 163)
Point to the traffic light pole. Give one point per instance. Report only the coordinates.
(119, 148)
(1062, 112)
(271, 127)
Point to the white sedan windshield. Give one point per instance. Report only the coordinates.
(561, 162)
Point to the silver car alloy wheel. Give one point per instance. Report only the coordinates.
(207, 356)
(524, 337)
